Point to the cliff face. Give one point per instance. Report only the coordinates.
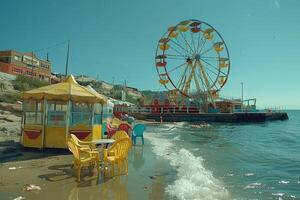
(9, 125)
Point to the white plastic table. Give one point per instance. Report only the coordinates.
(105, 142)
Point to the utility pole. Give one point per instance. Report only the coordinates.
(242, 92)
(124, 92)
(67, 62)
(32, 64)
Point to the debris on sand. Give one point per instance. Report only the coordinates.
(19, 198)
(152, 177)
(31, 187)
(14, 168)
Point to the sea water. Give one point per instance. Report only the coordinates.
(231, 161)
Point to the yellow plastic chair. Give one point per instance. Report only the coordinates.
(120, 151)
(119, 135)
(83, 157)
(88, 145)
(116, 122)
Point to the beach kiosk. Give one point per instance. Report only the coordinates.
(53, 112)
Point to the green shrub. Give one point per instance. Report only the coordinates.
(2, 86)
(10, 97)
(24, 83)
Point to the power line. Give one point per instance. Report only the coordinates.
(50, 47)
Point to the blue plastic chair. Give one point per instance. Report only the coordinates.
(104, 131)
(138, 131)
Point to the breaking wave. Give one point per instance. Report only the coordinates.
(193, 180)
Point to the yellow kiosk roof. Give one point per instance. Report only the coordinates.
(69, 89)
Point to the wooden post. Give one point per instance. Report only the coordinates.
(68, 115)
(93, 114)
(45, 116)
(22, 123)
(101, 121)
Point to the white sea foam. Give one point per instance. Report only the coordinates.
(284, 182)
(194, 181)
(180, 124)
(279, 194)
(167, 127)
(161, 146)
(177, 138)
(253, 185)
(249, 174)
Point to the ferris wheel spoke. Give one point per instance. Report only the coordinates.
(176, 56)
(188, 82)
(201, 78)
(213, 82)
(197, 85)
(211, 66)
(193, 42)
(212, 71)
(196, 80)
(178, 45)
(204, 75)
(177, 51)
(181, 47)
(206, 51)
(199, 41)
(214, 67)
(186, 42)
(186, 50)
(177, 67)
(210, 58)
(183, 75)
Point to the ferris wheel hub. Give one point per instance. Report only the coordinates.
(197, 57)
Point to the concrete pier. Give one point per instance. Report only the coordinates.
(214, 117)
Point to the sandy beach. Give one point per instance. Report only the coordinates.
(52, 172)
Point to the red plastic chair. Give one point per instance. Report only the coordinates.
(110, 130)
(125, 127)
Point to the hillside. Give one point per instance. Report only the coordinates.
(11, 86)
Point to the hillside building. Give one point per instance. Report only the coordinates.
(27, 64)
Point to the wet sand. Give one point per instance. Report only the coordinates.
(52, 171)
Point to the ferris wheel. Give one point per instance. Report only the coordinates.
(192, 60)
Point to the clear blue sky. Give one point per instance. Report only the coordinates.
(118, 39)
